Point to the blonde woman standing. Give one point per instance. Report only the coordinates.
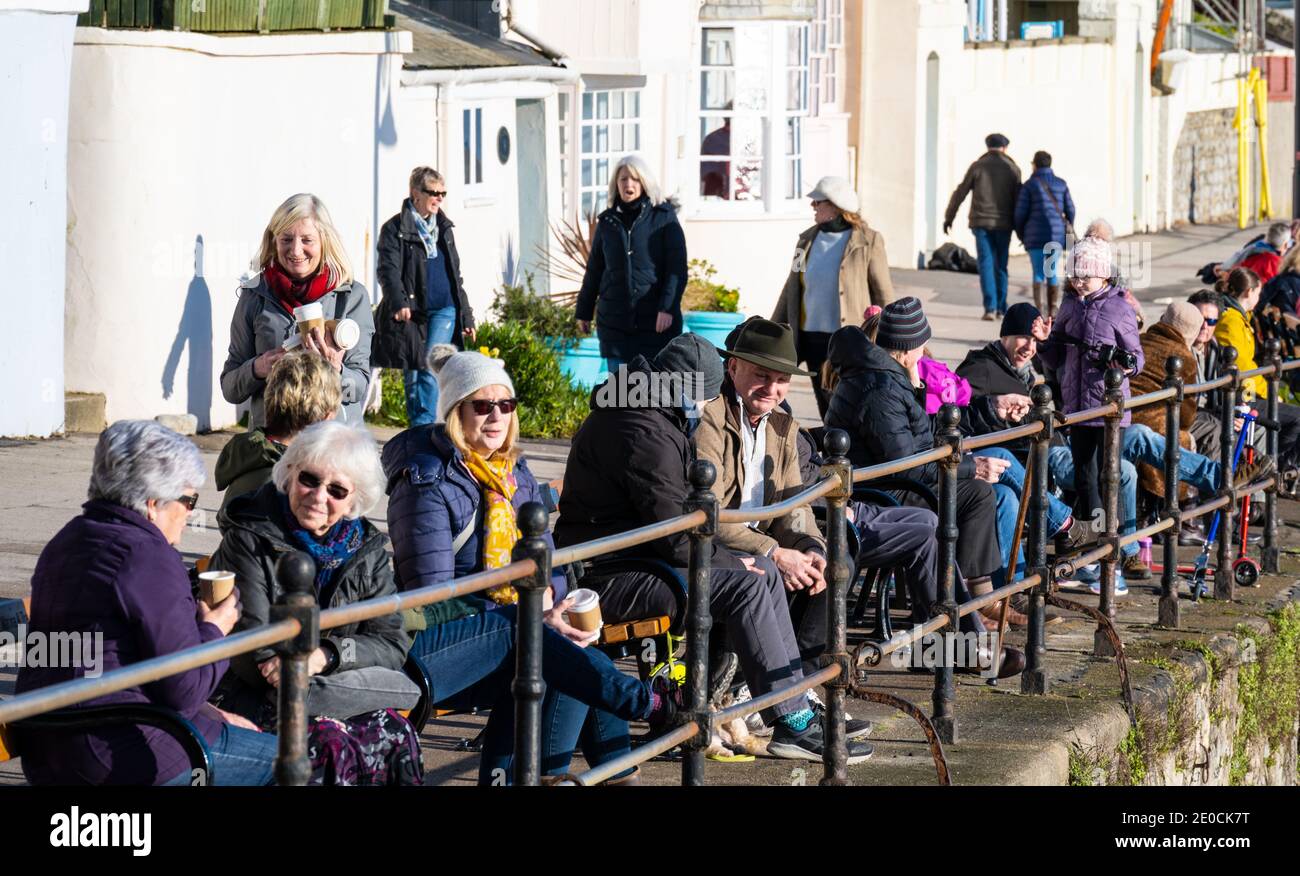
(301, 261)
(840, 269)
(637, 270)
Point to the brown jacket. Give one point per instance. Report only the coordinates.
(993, 182)
(718, 440)
(864, 279)
(1159, 343)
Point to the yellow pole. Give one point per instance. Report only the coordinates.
(1261, 123)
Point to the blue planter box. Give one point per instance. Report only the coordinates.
(582, 363)
(713, 326)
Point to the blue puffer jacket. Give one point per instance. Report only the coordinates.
(1037, 221)
(432, 498)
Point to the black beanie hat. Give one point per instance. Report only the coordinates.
(1019, 319)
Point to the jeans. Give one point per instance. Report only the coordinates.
(1143, 444)
(1061, 464)
(991, 250)
(240, 758)
(421, 387)
(1012, 492)
(470, 663)
(1039, 262)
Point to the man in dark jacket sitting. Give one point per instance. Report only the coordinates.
(627, 468)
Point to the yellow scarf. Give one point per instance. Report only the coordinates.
(496, 477)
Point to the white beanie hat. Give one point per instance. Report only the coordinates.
(461, 373)
(837, 190)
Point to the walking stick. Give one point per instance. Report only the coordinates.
(1015, 549)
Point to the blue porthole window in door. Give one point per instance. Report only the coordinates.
(503, 145)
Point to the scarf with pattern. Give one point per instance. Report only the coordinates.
(496, 477)
(428, 231)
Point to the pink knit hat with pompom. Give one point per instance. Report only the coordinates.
(1090, 258)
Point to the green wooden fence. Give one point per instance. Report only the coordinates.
(236, 16)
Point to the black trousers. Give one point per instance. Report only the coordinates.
(978, 555)
(812, 352)
(1086, 446)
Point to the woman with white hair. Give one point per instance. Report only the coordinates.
(636, 272)
(114, 572)
(840, 269)
(328, 479)
(301, 261)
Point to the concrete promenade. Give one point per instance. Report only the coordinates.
(1007, 738)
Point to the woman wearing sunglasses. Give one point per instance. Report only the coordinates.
(321, 488)
(113, 575)
(455, 489)
(424, 295)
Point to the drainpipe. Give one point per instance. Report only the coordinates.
(554, 55)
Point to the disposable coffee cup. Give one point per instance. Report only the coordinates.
(309, 316)
(345, 333)
(215, 587)
(584, 614)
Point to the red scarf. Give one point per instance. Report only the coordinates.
(295, 293)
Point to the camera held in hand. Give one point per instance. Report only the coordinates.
(1110, 355)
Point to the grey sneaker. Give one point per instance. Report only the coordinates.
(854, 728)
(809, 745)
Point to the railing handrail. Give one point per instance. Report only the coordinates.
(82, 689)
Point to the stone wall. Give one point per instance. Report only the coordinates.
(1204, 179)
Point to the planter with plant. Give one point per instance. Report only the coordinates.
(709, 308)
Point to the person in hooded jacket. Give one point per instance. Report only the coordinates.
(301, 390)
(879, 401)
(637, 269)
(628, 466)
(1044, 213)
(301, 261)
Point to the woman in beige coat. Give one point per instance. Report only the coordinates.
(839, 270)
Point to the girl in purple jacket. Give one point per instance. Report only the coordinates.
(1092, 319)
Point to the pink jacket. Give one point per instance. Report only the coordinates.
(942, 387)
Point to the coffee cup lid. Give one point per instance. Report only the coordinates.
(215, 575)
(308, 311)
(346, 334)
(583, 599)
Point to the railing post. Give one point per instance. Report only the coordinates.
(835, 757)
(945, 691)
(699, 620)
(1224, 587)
(1168, 608)
(296, 574)
(1110, 461)
(1271, 555)
(1034, 678)
(528, 687)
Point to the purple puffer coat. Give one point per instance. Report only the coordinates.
(1102, 318)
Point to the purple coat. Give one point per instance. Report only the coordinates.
(1102, 318)
(111, 572)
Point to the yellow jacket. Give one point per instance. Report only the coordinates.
(1236, 329)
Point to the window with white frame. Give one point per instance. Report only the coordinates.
(753, 98)
(826, 56)
(609, 127)
(472, 140)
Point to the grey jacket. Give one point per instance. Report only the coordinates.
(261, 323)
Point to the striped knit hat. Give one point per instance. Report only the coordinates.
(903, 325)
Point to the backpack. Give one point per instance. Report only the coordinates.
(951, 257)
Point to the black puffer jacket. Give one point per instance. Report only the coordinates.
(877, 405)
(627, 468)
(250, 548)
(990, 374)
(401, 269)
(632, 276)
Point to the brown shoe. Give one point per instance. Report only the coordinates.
(992, 614)
(1020, 602)
(1136, 570)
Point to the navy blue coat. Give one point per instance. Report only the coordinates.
(431, 498)
(633, 276)
(1037, 221)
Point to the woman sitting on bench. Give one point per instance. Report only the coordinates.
(455, 488)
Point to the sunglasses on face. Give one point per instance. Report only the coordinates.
(337, 492)
(190, 501)
(483, 407)
(434, 194)
(1209, 321)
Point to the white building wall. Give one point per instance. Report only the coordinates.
(181, 136)
(36, 52)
